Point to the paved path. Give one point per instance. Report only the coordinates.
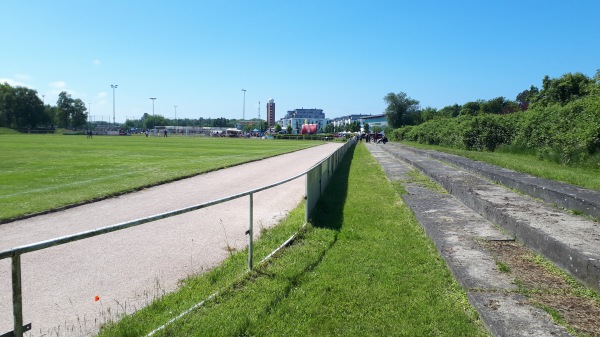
(129, 268)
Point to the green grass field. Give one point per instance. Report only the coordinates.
(45, 172)
(364, 267)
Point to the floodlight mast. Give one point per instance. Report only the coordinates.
(244, 106)
(175, 119)
(113, 86)
(153, 99)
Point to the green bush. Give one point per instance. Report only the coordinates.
(567, 134)
(487, 132)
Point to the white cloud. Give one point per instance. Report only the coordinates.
(22, 77)
(58, 84)
(14, 83)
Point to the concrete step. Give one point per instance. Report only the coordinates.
(569, 241)
(458, 233)
(563, 195)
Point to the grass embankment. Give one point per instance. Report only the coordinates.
(7, 131)
(588, 177)
(44, 172)
(364, 267)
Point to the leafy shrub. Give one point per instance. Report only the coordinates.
(567, 134)
(487, 132)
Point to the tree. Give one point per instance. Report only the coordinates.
(6, 98)
(329, 128)
(152, 122)
(595, 86)
(28, 107)
(470, 108)
(289, 129)
(499, 105)
(262, 125)
(20, 107)
(398, 105)
(564, 89)
(525, 97)
(71, 112)
(366, 127)
(450, 110)
(429, 113)
(219, 122)
(79, 116)
(277, 128)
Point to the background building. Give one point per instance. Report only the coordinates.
(376, 120)
(271, 113)
(341, 122)
(295, 119)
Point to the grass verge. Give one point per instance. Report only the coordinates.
(529, 163)
(363, 267)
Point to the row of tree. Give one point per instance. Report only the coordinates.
(560, 122)
(148, 121)
(402, 110)
(21, 108)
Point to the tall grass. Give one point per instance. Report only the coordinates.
(363, 268)
(43, 172)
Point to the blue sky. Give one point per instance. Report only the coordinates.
(339, 56)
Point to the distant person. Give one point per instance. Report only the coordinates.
(165, 133)
(146, 133)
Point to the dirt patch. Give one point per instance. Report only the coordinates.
(569, 303)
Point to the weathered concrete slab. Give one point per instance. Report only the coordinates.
(458, 233)
(564, 195)
(570, 241)
(496, 309)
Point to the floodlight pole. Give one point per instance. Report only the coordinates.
(153, 98)
(244, 106)
(175, 119)
(113, 86)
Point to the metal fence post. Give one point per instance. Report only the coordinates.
(15, 253)
(250, 232)
(17, 297)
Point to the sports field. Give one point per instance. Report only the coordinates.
(44, 172)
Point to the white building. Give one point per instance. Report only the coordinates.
(295, 119)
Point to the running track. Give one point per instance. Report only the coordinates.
(127, 269)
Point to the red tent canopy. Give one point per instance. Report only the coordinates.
(309, 128)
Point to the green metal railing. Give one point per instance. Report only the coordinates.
(317, 178)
